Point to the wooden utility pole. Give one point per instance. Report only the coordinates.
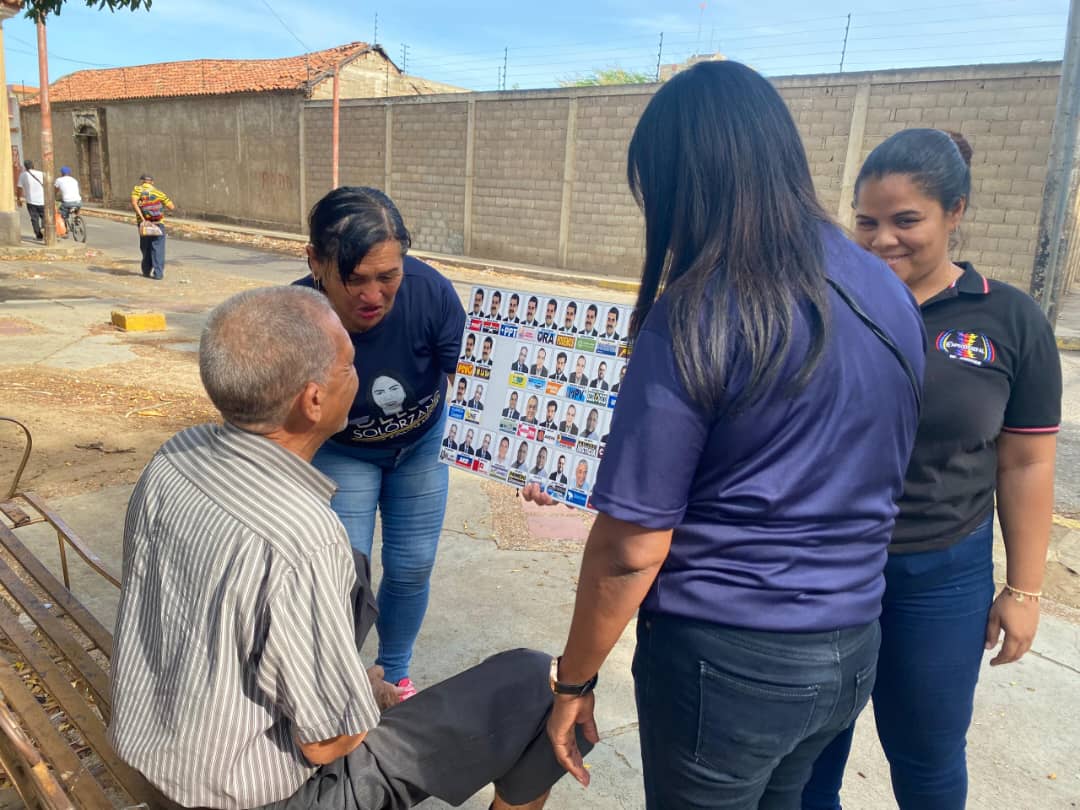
(47, 162)
(1057, 227)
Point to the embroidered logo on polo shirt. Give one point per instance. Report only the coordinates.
(970, 347)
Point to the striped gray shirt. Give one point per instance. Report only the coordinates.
(235, 629)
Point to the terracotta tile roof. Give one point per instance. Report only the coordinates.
(201, 77)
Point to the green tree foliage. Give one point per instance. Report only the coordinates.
(40, 9)
(614, 75)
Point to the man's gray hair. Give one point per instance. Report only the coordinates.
(259, 349)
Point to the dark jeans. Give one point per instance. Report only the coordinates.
(733, 719)
(153, 254)
(37, 219)
(933, 626)
(487, 724)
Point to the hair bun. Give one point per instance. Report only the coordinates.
(962, 144)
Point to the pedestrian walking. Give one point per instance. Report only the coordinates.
(150, 203)
(405, 320)
(32, 192)
(747, 492)
(987, 432)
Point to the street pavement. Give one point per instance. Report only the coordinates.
(1024, 745)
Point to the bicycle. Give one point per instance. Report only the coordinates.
(73, 221)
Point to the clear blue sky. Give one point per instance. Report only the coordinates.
(463, 42)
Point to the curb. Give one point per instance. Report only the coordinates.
(292, 245)
(1067, 343)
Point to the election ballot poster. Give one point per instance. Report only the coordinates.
(536, 384)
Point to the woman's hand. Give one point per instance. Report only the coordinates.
(535, 493)
(567, 714)
(1018, 619)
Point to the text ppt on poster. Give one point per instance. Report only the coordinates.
(536, 384)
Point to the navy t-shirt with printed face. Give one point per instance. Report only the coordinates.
(403, 362)
(992, 365)
(782, 513)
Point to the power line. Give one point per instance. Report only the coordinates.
(277, 17)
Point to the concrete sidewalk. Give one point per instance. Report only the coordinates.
(1024, 745)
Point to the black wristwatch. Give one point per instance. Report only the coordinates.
(574, 689)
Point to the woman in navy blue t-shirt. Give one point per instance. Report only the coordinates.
(405, 321)
(747, 492)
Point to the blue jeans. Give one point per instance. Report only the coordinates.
(153, 254)
(408, 489)
(733, 719)
(933, 626)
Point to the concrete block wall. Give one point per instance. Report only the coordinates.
(519, 161)
(427, 177)
(606, 231)
(540, 176)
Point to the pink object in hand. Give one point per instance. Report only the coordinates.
(407, 687)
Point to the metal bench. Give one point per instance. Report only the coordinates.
(54, 661)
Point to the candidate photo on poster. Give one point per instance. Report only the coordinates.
(611, 326)
(532, 405)
(502, 452)
(558, 475)
(551, 415)
(569, 424)
(467, 445)
(477, 310)
(451, 440)
(580, 374)
(588, 329)
(494, 312)
(477, 401)
(539, 467)
(531, 308)
(600, 382)
(559, 374)
(521, 457)
(592, 429)
(551, 309)
(581, 476)
(469, 354)
(511, 410)
(569, 321)
(521, 365)
(619, 378)
(539, 366)
(487, 348)
(484, 450)
(459, 392)
(512, 306)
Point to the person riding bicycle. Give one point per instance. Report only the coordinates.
(67, 187)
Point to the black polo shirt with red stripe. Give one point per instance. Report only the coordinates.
(992, 365)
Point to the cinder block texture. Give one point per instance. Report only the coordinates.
(139, 321)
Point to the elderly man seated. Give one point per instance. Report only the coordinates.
(237, 679)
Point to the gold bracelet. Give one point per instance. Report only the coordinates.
(1020, 595)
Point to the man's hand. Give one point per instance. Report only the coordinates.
(386, 694)
(568, 713)
(536, 494)
(1019, 620)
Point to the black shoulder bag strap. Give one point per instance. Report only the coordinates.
(880, 334)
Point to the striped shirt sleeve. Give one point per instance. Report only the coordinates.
(310, 666)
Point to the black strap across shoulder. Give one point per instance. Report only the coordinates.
(879, 333)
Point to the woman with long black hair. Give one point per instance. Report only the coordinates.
(747, 492)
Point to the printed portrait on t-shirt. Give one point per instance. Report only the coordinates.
(388, 395)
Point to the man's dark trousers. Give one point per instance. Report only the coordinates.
(487, 724)
(153, 254)
(37, 219)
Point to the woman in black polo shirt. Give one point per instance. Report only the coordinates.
(991, 407)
